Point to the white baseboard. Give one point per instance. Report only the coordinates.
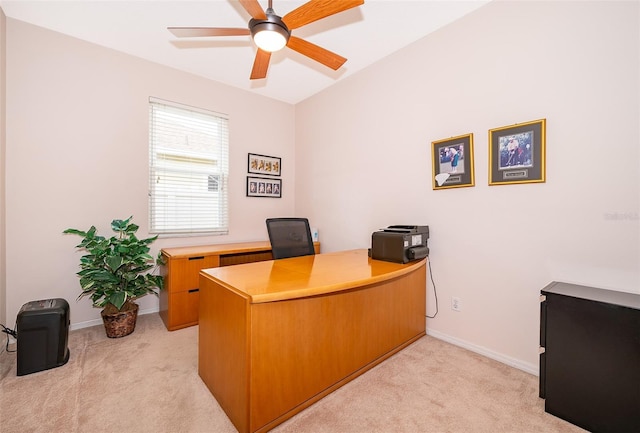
(519, 364)
(95, 322)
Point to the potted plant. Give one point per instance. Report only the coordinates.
(115, 273)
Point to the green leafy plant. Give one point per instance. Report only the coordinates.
(116, 270)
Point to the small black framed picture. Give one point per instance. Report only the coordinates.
(263, 164)
(264, 187)
(517, 153)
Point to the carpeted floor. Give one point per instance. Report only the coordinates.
(148, 382)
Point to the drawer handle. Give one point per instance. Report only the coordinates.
(194, 290)
(196, 258)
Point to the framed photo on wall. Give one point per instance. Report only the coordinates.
(264, 187)
(517, 153)
(263, 164)
(453, 162)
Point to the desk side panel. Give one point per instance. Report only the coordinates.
(303, 348)
(223, 349)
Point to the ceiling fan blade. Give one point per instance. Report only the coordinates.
(260, 64)
(319, 54)
(254, 9)
(193, 32)
(314, 10)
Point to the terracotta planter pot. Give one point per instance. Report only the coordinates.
(120, 323)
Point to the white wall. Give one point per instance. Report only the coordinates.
(77, 155)
(3, 283)
(363, 158)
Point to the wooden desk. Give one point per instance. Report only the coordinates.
(180, 298)
(277, 336)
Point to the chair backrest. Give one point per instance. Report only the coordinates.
(290, 237)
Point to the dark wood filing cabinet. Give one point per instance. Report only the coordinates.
(590, 362)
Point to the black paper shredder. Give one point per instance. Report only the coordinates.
(42, 330)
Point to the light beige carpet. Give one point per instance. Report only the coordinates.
(148, 382)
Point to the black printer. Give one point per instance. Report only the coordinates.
(400, 243)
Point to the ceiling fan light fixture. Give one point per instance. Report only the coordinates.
(269, 35)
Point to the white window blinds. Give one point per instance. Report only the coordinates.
(189, 168)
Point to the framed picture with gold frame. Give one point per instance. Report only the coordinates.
(517, 153)
(453, 162)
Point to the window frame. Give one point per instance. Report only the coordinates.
(181, 199)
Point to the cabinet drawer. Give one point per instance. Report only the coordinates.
(184, 308)
(184, 273)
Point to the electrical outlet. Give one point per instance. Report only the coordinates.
(456, 304)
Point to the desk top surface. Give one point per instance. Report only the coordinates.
(216, 249)
(297, 277)
(219, 249)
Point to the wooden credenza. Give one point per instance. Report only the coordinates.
(277, 336)
(180, 297)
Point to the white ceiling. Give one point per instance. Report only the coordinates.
(363, 35)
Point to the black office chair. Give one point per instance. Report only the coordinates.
(290, 237)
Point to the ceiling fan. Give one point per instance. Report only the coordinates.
(271, 32)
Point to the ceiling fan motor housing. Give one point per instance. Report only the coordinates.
(274, 26)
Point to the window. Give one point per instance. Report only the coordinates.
(189, 167)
